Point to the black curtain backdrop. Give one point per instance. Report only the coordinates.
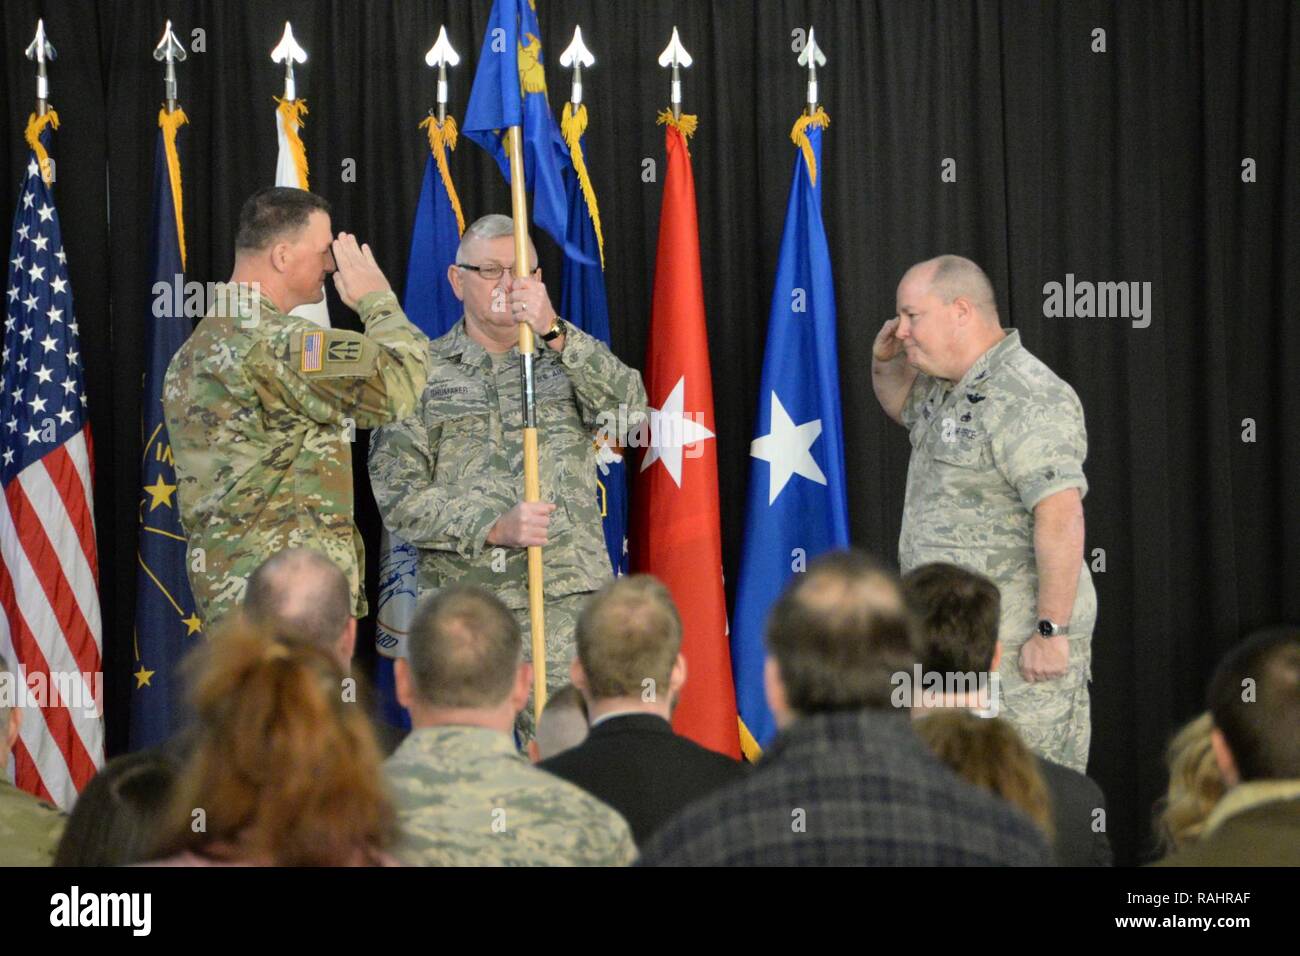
(1123, 165)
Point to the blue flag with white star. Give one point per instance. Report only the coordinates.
(796, 507)
(166, 623)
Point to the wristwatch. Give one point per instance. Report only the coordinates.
(556, 330)
(1048, 628)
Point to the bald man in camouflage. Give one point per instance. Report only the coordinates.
(262, 406)
(995, 484)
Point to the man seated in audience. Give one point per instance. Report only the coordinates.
(29, 828)
(301, 594)
(847, 781)
(465, 796)
(630, 669)
(563, 724)
(1255, 706)
(957, 613)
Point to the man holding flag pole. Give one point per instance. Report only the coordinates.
(514, 391)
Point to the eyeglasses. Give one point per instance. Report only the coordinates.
(492, 271)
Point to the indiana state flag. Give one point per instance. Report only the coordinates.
(796, 506)
(584, 304)
(510, 90)
(434, 308)
(166, 625)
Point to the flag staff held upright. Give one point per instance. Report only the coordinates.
(41, 51)
(532, 480)
(812, 57)
(675, 55)
(169, 51)
(288, 50)
(439, 55)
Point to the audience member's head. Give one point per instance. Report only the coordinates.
(957, 614)
(299, 594)
(836, 637)
(283, 767)
(563, 724)
(1195, 785)
(1254, 701)
(464, 662)
(987, 752)
(116, 819)
(10, 716)
(629, 639)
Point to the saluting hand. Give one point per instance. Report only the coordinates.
(356, 273)
(886, 347)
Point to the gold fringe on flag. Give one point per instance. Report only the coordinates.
(35, 124)
(169, 123)
(799, 135)
(293, 111)
(573, 123)
(440, 136)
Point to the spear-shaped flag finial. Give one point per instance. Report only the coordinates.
(442, 55)
(812, 57)
(170, 51)
(41, 52)
(288, 51)
(577, 56)
(675, 55)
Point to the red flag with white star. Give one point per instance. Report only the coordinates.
(677, 530)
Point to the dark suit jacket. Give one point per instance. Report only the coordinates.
(637, 765)
(1074, 799)
(851, 788)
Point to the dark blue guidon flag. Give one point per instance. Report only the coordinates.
(796, 506)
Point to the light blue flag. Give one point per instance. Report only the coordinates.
(796, 506)
(432, 306)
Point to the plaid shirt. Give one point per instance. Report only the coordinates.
(853, 788)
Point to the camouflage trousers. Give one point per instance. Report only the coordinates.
(1054, 717)
(561, 647)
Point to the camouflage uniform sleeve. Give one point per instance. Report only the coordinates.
(334, 374)
(1041, 446)
(600, 381)
(453, 516)
(912, 404)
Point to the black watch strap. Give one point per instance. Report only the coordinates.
(556, 330)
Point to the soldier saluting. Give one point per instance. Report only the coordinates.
(262, 406)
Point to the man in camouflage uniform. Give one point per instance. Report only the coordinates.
(29, 828)
(996, 484)
(262, 406)
(449, 479)
(465, 796)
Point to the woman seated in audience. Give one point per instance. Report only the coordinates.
(1195, 786)
(987, 752)
(283, 768)
(115, 819)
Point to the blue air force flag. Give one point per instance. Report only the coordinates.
(796, 506)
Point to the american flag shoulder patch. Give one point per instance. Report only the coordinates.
(313, 351)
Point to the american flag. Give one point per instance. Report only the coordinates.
(50, 631)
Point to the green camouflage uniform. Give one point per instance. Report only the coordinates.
(984, 453)
(29, 828)
(466, 797)
(261, 413)
(445, 475)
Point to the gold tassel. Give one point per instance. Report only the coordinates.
(439, 137)
(799, 136)
(573, 123)
(169, 123)
(35, 124)
(292, 112)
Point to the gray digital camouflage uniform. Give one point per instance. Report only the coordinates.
(261, 412)
(984, 453)
(443, 476)
(29, 828)
(466, 797)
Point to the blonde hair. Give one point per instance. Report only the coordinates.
(987, 752)
(1195, 785)
(283, 768)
